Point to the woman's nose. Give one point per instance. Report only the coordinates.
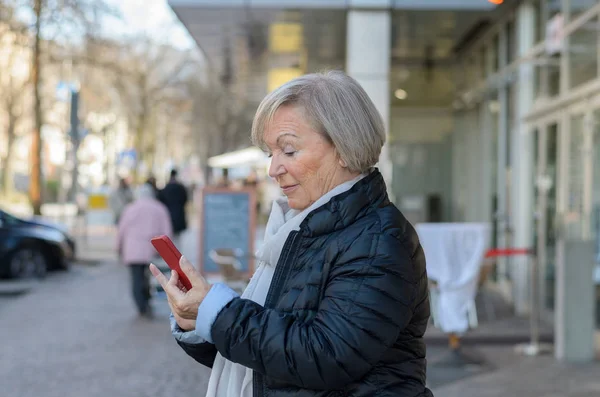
(276, 168)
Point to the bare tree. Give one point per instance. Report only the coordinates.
(221, 120)
(13, 84)
(14, 79)
(58, 18)
(155, 81)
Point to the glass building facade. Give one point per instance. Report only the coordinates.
(493, 112)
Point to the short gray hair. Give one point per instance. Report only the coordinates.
(338, 108)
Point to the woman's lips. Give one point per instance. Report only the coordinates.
(288, 189)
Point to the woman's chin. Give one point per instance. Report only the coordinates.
(296, 204)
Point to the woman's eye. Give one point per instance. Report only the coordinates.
(289, 151)
(269, 155)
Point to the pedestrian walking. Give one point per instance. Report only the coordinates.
(141, 220)
(175, 196)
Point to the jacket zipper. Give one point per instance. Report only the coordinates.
(282, 271)
(258, 387)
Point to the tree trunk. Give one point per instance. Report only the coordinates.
(139, 145)
(105, 162)
(6, 171)
(35, 179)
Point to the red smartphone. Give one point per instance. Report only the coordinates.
(167, 250)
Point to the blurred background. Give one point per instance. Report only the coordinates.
(492, 110)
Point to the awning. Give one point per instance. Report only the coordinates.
(251, 156)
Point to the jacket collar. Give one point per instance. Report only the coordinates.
(365, 196)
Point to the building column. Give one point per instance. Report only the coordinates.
(485, 150)
(575, 290)
(368, 61)
(522, 153)
(502, 185)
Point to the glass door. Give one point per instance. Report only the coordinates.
(545, 227)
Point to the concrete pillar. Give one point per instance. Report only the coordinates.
(368, 61)
(485, 150)
(522, 153)
(459, 180)
(502, 214)
(575, 303)
(472, 165)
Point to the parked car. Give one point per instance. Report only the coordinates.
(32, 247)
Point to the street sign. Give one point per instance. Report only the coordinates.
(127, 157)
(63, 91)
(97, 202)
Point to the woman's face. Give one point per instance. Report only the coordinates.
(304, 163)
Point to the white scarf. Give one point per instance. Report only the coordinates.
(227, 378)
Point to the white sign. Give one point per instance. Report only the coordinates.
(555, 34)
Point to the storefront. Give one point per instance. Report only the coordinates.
(537, 85)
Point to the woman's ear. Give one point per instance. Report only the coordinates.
(342, 163)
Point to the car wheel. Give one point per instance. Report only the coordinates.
(28, 262)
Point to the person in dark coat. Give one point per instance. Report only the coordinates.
(174, 196)
(339, 302)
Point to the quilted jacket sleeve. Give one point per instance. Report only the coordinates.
(204, 353)
(197, 348)
(368, 300)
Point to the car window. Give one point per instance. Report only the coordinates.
(8, 220)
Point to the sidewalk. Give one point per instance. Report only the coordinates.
(504, 372)
(529, 377)
(96, 247)
(506, 330)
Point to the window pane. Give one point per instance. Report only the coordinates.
(495, 57)
(577, 223)
(578, 7)
(540, 20)
(583, 53)
(483, 63)
(511, 44)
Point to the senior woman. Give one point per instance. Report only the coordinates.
(338, 304)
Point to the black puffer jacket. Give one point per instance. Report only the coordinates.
(346, 310)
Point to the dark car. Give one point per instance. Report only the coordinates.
(30, 248)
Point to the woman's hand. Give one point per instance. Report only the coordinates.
(185, 325)
(184, 304)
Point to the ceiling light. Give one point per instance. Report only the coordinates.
(400, 94)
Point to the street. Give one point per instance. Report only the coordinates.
(77, 334)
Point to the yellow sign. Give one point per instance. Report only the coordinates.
(285, 38)
(280, 76)
(97, 202)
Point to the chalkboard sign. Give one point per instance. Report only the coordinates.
(227, 221)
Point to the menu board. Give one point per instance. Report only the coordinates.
(227, 221)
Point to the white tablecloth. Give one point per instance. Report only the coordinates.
(454, 253)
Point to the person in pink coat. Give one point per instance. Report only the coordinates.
(141, 220)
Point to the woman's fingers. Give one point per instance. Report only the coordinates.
(174, 280)
(159, 276)
(190, 271)
(198, 281)
(168, 285)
